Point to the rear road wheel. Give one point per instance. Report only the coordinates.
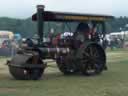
(93, 60)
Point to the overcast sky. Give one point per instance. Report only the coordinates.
(25, 8)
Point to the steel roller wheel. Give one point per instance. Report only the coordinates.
(93, 60)
(20, 73)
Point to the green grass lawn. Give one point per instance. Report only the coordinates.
(113, 82)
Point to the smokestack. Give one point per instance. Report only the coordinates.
(40, 22)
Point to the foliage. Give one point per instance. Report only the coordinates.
(27, 28)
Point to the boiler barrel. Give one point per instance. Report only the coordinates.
(55, 50)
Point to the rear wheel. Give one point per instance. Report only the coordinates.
(66, 66)
(93, 60)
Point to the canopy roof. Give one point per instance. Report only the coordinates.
(65, 16)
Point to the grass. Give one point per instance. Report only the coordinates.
(113, 82)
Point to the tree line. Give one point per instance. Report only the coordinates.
(27, 28)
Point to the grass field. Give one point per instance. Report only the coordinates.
(113, 82)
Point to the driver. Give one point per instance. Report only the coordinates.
(82, 32)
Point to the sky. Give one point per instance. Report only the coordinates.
(25, 8)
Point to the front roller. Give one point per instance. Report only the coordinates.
(26, 67)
